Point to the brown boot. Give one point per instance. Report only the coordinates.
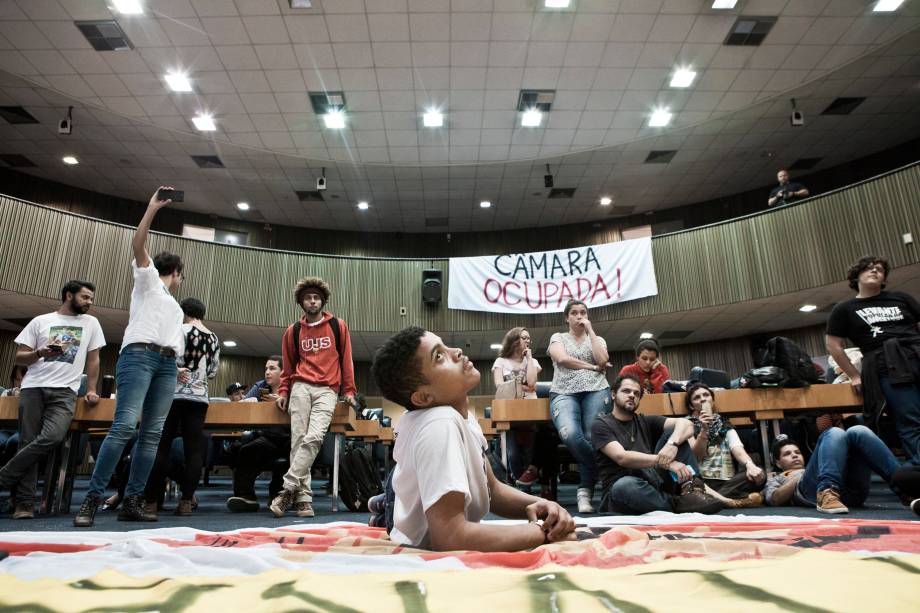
(24, 510)
(749, 502)
(184, 507)
(150, 507)
(304, 509)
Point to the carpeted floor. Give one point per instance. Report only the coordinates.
(212, 513)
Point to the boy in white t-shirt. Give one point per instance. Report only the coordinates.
(55, 347)
(443, 482)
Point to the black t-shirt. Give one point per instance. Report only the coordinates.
(789, 188)
(641, 435)
(869, 322)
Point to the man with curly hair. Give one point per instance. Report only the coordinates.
(885, 325)
(317, 369)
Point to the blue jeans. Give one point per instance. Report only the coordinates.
(145, 382)
(573, 415)
(644, 490)
(904, 407)
(844, 461)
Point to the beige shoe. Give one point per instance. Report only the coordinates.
(150, 507)
(282, 503)
(829, 502)
(304, 509)
(184, 507)
(583, 498)
(24, 510)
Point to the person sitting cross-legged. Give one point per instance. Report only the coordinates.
(645, 461)
(443, 482)
(837, 474)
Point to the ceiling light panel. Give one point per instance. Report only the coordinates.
(129, 7)
(660, 118)
(433, 119)
(531, 118)
(334, 120)
(204, 122)
(887, 6)
(178, 81)
(70, 160)
(683, 77)
(724, 4)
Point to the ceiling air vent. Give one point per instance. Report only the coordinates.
(323, 102)
(15, 160)
(16, 114)
(309, 196)
(539, 99)
(750, 31)
(105, 35)
(660, 157)
(436, 222)
(804, 163)
(842, 106)
(561, 192)
(208, 161)
(675, 335)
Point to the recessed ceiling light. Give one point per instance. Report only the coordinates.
(495, 346)
(433, 118)
(646, 335)
(682, 77)
(485, 204)
(808, 308)
(204, 122)
(606, 200)
(70, 160)
(178, 81)
(229, 343)
(886, 6)
(660, 118)
(363, 205)
(128, 7)
(531, 118)
(724, 4)
(243, 206)
(334, 120)
(557, 4)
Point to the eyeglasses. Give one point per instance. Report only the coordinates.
(875, 268)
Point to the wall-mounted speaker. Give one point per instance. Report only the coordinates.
(431, 285)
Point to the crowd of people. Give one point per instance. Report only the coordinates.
(443, 483)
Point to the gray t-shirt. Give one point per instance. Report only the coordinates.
(774, 482)
(569, 381)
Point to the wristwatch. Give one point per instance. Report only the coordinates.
(673, 443)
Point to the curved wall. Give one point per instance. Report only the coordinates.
(771, 253)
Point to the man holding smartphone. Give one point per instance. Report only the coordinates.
(55, 347)
(146, 374)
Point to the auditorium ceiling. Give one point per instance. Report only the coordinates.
(603, 66)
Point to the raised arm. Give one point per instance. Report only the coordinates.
(837, 348)
(139, 242)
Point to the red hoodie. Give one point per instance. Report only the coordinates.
(319, 358)
(651, 382)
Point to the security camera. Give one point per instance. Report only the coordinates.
(65, 126)
(797, 119)
(321, 184)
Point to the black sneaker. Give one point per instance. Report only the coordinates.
(241, 504)
(133, 509)
(86, 516)
(696, 501)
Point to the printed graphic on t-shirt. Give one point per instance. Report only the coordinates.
(315, 344)
(876, 315)
(69, 338)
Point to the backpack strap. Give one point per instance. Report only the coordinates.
(295, 343)
(337, 333)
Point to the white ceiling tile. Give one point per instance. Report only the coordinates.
(392, 54)
(352, 55)
(622, 55)
(225, 30)
(307, 28)
(469, 53)
(388, 26)
(507, 54)
(238, 57)
(347, 28)
(319, 55)
(285, 80)
(470, 26)
(275, 57)
(583, 54)
(430, 54)
(631, 28)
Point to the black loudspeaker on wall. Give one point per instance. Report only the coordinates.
(431, 285)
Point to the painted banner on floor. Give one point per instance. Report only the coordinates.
(542, 282)
(717, 565)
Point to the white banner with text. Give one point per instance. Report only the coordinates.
(542, 282)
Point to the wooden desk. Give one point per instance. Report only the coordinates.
(9, 412)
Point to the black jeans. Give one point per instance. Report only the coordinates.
(261, 453)
(185, 417)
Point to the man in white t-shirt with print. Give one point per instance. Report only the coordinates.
(443, 482)
(56, 347)
(145, 375)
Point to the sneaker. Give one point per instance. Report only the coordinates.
(184, 508)
(240, 504)
(697, 501)
(304, 509)
(915, 506)
(752, 500)
(86, 516)
(151, 508)
(829, 502)
(528, 477)
(24, 510)
(282, 503)
(377, 504)
(583, 496)
(133, 508)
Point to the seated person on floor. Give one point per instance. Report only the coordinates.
(236, 392)
(837, 473)
(645, 461)
(443, 482)
(262, 450)
(648, 368)
(717, 447)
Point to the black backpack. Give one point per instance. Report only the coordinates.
(765, 376)
(788, 356)
(359, 479)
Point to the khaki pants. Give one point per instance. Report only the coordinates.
(311, 408)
